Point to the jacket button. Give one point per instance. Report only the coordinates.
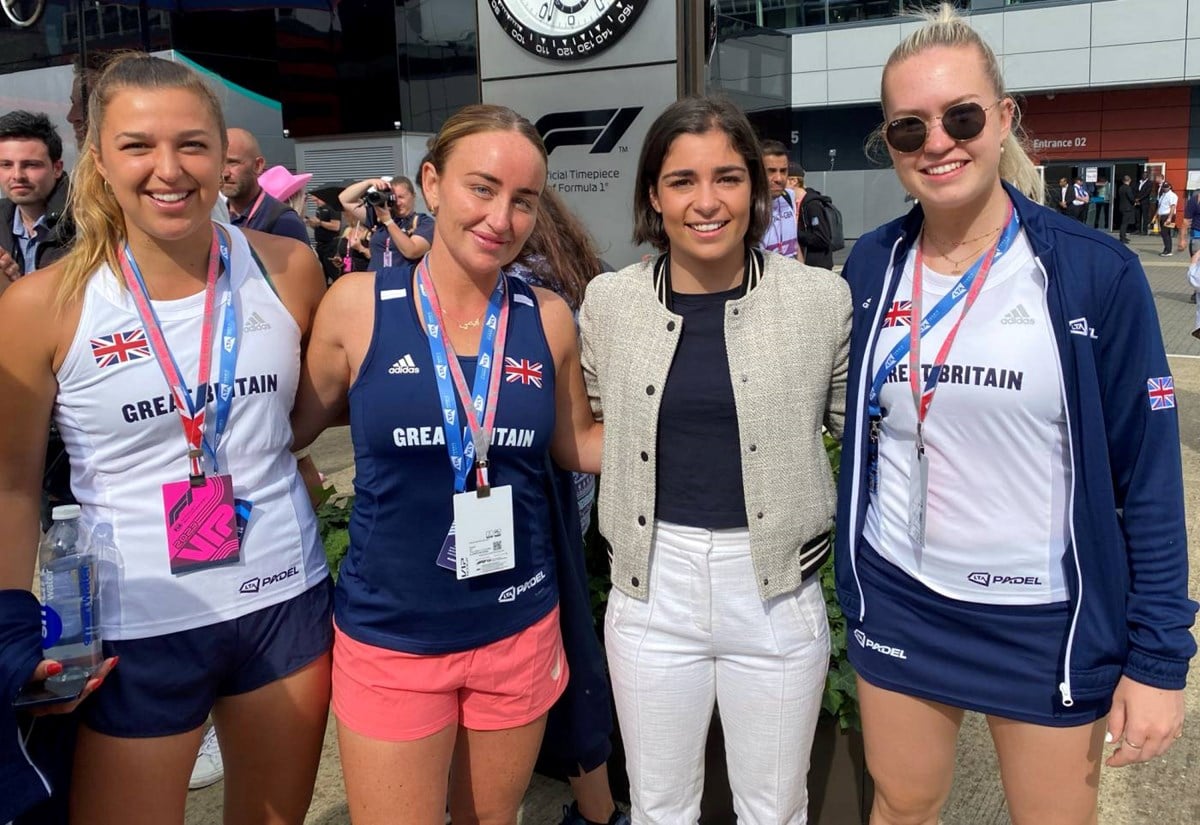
(753, 448)
(766, 582)
(735, 310)
(650, 390)
(634, 581)
(642, 520)
(670, 326)
(645, 456)
(760, 515)
(745, 378)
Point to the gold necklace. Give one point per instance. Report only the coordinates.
(940, 244)
(958, 262)
(474, 322)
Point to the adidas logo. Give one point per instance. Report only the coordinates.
(404, 366)
(1019, 315)
(255, 323)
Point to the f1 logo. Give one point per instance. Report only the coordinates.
(598, 128)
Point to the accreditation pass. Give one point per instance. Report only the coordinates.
(483, 525)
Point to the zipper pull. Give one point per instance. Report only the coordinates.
(1065, 690)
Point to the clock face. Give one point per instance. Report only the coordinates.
(566, 29)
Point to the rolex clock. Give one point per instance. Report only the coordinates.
(566, 29)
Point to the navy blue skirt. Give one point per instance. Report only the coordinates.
(1001, 660)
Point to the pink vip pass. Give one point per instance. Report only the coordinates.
(201, 523)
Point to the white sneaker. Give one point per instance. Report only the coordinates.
(209, 768)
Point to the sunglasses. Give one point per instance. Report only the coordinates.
(962, 121)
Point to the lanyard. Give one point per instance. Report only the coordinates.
(193, 411)
(969, 287)
(249, 216)
(480, 407)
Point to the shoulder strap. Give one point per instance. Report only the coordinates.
(262, 268)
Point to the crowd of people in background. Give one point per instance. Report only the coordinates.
(1017, 549)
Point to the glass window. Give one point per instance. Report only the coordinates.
(789, 14)
(436, 51)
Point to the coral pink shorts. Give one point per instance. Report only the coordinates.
(399, 697)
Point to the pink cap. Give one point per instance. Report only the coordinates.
(282, 184)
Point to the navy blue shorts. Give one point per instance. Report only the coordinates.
(1002, 660)
(167, 684)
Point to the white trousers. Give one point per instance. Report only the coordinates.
(704, 634)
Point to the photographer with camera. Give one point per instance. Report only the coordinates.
(386, 205)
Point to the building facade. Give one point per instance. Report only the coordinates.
(1106, 87)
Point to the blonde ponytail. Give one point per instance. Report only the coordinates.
(99, 227)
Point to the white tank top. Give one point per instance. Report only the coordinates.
(996, 435)
(125, 442)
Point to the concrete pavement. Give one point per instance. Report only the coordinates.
(1164, 792)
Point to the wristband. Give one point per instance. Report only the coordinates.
(388, 222)
(300, 455)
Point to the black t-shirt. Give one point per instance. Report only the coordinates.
(699, 480)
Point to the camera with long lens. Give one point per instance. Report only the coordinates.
(375, 197)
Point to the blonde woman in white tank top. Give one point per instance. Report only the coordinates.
(246, 635)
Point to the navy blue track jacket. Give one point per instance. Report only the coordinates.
(1127, 565)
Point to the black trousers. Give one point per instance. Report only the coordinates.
(1165, 232)
(1126, 224)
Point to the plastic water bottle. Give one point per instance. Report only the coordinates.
(70, 627)
(110, 569)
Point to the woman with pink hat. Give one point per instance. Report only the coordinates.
(284, 186)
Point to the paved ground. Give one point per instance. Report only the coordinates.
(1166, 792)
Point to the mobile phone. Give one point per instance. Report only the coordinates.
(39, 694)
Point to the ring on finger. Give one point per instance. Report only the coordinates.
(1135, 747)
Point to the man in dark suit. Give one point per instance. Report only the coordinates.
(1126, 207)
(1064, 196)
(1142, 206)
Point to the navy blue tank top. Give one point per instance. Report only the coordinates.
(390, 591)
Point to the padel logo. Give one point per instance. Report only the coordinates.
(256, 584)
(988, 579)
(868, 643)
(600, 129)
(510, 594)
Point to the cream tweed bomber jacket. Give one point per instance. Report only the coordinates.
(787, 340)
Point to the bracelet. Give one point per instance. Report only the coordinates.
(388, 222)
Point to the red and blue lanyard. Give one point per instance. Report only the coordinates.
(193, 412)
(482, 399)
(968, 288)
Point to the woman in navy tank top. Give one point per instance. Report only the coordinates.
(459, 382)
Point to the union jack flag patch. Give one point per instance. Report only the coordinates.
(523, 371)
(900, 315)
(1162, 393)
(120, 347)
